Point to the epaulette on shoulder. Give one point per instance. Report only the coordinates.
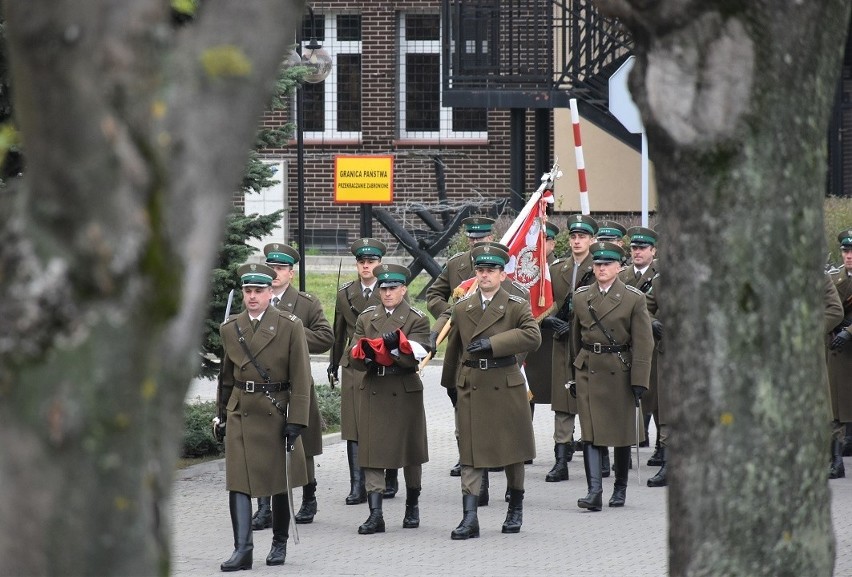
(346, 286)
(559, 260)
(520, 287)
(582, 288)
(230, 319)
(634, 289)
(517, 299)
(308, 296)
(458, 254)
(465, 297)
(416, 311)
(369, 309)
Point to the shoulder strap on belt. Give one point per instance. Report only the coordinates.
(611, 340)
(253, 360)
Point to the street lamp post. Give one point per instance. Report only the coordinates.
(318, 61)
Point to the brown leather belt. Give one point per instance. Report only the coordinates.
(258, 387)
(599, 348)
(494, 363)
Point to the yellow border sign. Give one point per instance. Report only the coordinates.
(363, 179)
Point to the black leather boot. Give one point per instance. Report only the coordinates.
(592, 457)
(622, 466)
(262, 518)
(847, 441)
(646, 442)
(357, 489)
(515, 512)
(469, 526)
(559, 472)
(658, 457)
(605, 466)
(280, 529)
(375, 523)
(837, 470)
(309, 504)
(456, 470)
(659, 480)
(412, 510)
(241, 558)
(391, 483)
(484, 496)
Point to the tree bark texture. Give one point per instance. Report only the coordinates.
(136, 135)
(735, 99)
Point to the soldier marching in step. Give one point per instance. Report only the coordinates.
(389, 341)
(489, 328)
(612, 345)
(282, 258)
(840, 357)
(566, 276)
(264, 404)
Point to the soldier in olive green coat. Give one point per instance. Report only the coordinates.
(840, 356)
(282, 258)
(640, 273)
(352, 298)
(389, 340)
(490, 327)
(566, 275)
(264, 399)
(612, 344)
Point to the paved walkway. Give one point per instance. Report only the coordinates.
(557, 537)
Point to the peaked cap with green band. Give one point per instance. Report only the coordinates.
(845, 238)
(478, 226)
(390, 275)
(582, 223)
(605, 251)
(641, 236)
(368, 247)
(280, 253)
(609, 229)
(256, 274)
(550, 230)
(490, 254)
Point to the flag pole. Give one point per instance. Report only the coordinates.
(578, 154)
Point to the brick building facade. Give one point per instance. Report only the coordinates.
(385, 85)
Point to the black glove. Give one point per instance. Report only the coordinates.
(572, 388)
(637, 393)
(657, 329)
(369, 353)
(332, 374)
(559, 327)
(433, 341)
(391, 340)
(839, 340)
(219, 429)
(291, 433)
(479, 345)
(453, 393)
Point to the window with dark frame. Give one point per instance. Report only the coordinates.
(421, 113)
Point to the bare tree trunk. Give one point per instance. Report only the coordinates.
(135, 135)
(735, 98)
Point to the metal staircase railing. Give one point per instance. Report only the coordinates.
(532, 54)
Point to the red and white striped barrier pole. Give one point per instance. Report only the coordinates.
(578, 154)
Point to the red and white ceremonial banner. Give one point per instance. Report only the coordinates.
(527, 251)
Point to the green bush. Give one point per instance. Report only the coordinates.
(329, 405)
(198, 439)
